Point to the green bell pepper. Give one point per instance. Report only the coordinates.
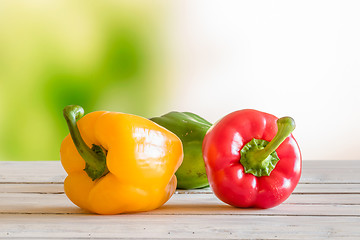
(191, 129)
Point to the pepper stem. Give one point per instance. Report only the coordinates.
(259, 156)
(285, 126)
(94, 157)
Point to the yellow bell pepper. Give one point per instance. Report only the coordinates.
(130, 166)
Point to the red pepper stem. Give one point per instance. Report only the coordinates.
(285, 127)
(258, 156)
(94, 158)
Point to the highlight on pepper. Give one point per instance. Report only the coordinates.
(117, 162)
(252, 159)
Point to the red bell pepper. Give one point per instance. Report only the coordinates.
(252, 159)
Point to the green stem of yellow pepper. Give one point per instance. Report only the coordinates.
(94, 157)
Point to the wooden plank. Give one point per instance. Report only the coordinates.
(191, 204)
(329, 199)
(137, 226)
(32, 171)
(344, 188)
(333, 194)
(17, 203)
(326, 204)
(58, 188)
(52, 172)
(41, 188)
(344, 171)
(343, 175)
(209, 205)
(330, 164)
(315, 188)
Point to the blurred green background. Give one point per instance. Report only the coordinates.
(151, 57)
(102, 55)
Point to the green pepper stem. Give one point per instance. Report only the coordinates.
(95, 160)
(285, 127)
(258, 156)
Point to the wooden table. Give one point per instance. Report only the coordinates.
(325, 204)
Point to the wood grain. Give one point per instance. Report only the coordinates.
(325, 204)
(52, 172)
(137, 226)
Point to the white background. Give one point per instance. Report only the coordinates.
(300, 59)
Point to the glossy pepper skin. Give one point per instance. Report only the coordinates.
(129, 168)
(249, 173)
(191, 129)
